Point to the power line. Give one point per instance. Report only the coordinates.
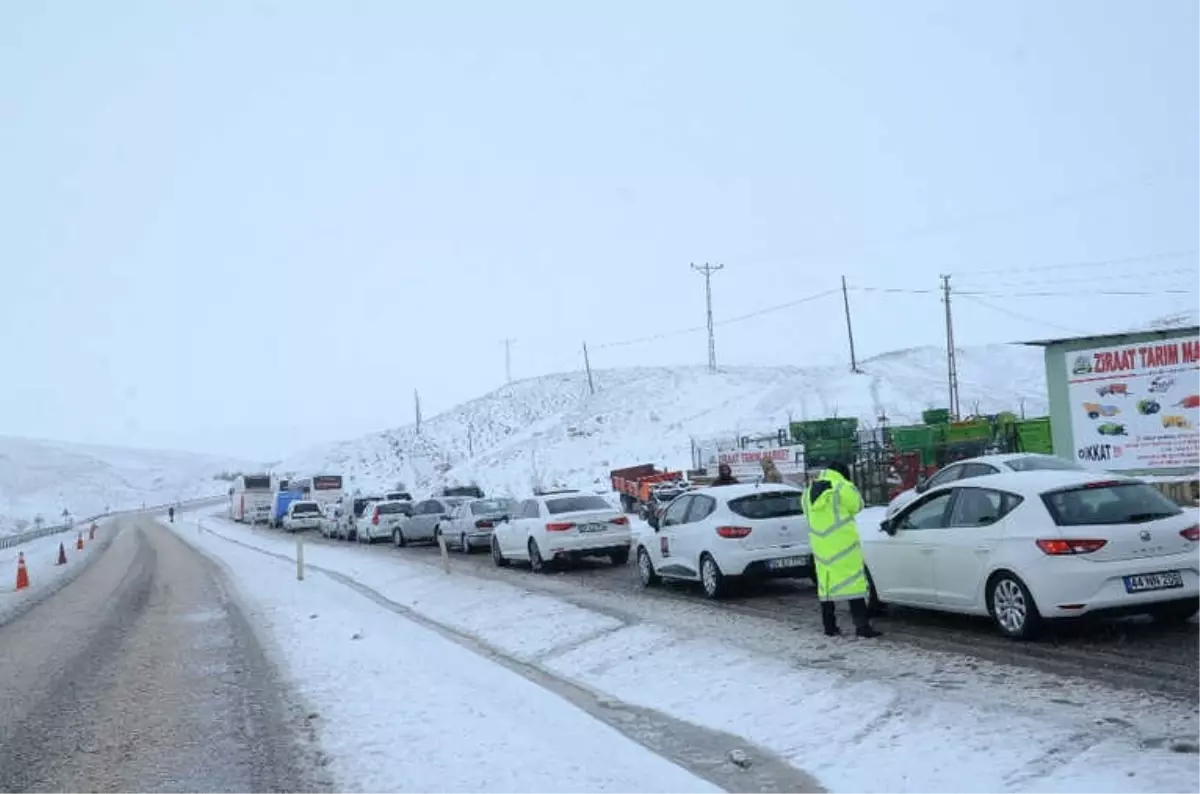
(1091, 263)
(1037, 294)
(1191, 271)
(1019, 316)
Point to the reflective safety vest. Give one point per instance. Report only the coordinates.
(833, 537)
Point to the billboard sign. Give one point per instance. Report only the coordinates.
(1137, 406)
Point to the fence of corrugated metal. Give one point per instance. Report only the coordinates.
(19, 538)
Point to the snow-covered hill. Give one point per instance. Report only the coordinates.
(549, 430)
(45, 477)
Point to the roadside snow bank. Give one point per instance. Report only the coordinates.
(854, 732)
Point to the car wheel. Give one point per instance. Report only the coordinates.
(398, 538)
(620, 557)
(1174, 613)
(874, 605)
(711, 577)
(1012, 607)
(497, 555)
(464, 545)
(646, 572)
(536, 563)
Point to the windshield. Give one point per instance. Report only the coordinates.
(771, 504)
(575, 504)
(484, 506)
(1109, 503)
(1042, 463)
(305, 507)
(396, 507)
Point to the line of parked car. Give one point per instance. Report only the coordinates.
(1020, 538)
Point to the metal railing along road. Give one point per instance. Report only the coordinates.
(19, 538)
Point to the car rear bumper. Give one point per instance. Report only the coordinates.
(1088, 588)
(758, 563)
(294, 526)
(598, 544)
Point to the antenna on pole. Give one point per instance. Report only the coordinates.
(508, 343)
(417, 406)
(707, 271)
(951, 360)
(849, 329)
(587, 364)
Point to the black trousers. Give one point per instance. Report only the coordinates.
(858, 611)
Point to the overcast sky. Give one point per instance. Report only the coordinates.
(246, 226)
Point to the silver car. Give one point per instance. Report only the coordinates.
(302, 514)
(427, 518)
(471, 523)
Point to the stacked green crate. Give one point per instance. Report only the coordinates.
(936, 416)
(924, 439)
(1034, 435)
(972, 430)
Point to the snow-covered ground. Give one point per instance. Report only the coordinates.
(858, 716)
(41, 563)
(43, 478)
(550, 430)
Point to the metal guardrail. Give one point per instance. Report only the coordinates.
(9, 541)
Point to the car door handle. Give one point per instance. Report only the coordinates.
(982, 549)
(927, 550)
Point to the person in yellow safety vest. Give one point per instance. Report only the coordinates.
(830, 504)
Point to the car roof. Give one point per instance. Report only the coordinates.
(1003, 457)
(728, 492)
(1035, 482)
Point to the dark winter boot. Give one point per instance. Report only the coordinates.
(862, 621)
(829, 619)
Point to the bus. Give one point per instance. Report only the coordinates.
(326, 489)
(250, 498)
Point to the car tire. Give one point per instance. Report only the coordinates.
(1012, 607)
(498, 558)
(464, 545)
(536, 563)
(1171, 614)
(646, 573)
(874, 605)
(711, 578)
(398, 538)
(620, 557)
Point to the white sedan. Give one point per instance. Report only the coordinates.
(561, 526)
(713, 535)
(302, 514)
(981, 467)
(1024, 547)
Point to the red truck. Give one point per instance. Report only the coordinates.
(633, 483)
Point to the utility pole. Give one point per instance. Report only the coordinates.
(849, 328)
(587, 364)
(417, 406)
(951, 362)
(508, 343)
(707, 270)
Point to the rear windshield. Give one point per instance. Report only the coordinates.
(573, 504)
(396, 507)
(306, 507)
(402, 496)
(1042, 463)
(1109, 503)
(772, 504)
(485, 506)
(360, 505)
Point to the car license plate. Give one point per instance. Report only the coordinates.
(591, 527)
(1162, 580)
(798, 561)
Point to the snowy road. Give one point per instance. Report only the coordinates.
(140, 675)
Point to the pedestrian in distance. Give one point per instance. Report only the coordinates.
(770, 471)
(171, 514)
(830, 504)
(725, 476)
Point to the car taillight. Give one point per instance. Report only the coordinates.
(1058, 546)
(1191, 533)
(622, 520)
(1103, 484)
(483, 524)
(562, 527)
(733, 532)
(375, 518)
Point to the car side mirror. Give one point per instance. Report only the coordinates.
(888, 525)
(504, 519)
(922, 486)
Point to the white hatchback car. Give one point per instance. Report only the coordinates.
(714, 534)
(1023, 547)
(381, 520)
(561, 526)
(302, 514)
(982, 466)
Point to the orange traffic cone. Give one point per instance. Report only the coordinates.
(79, 543)
(22, 574)
(62, 555)
(92, 531)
